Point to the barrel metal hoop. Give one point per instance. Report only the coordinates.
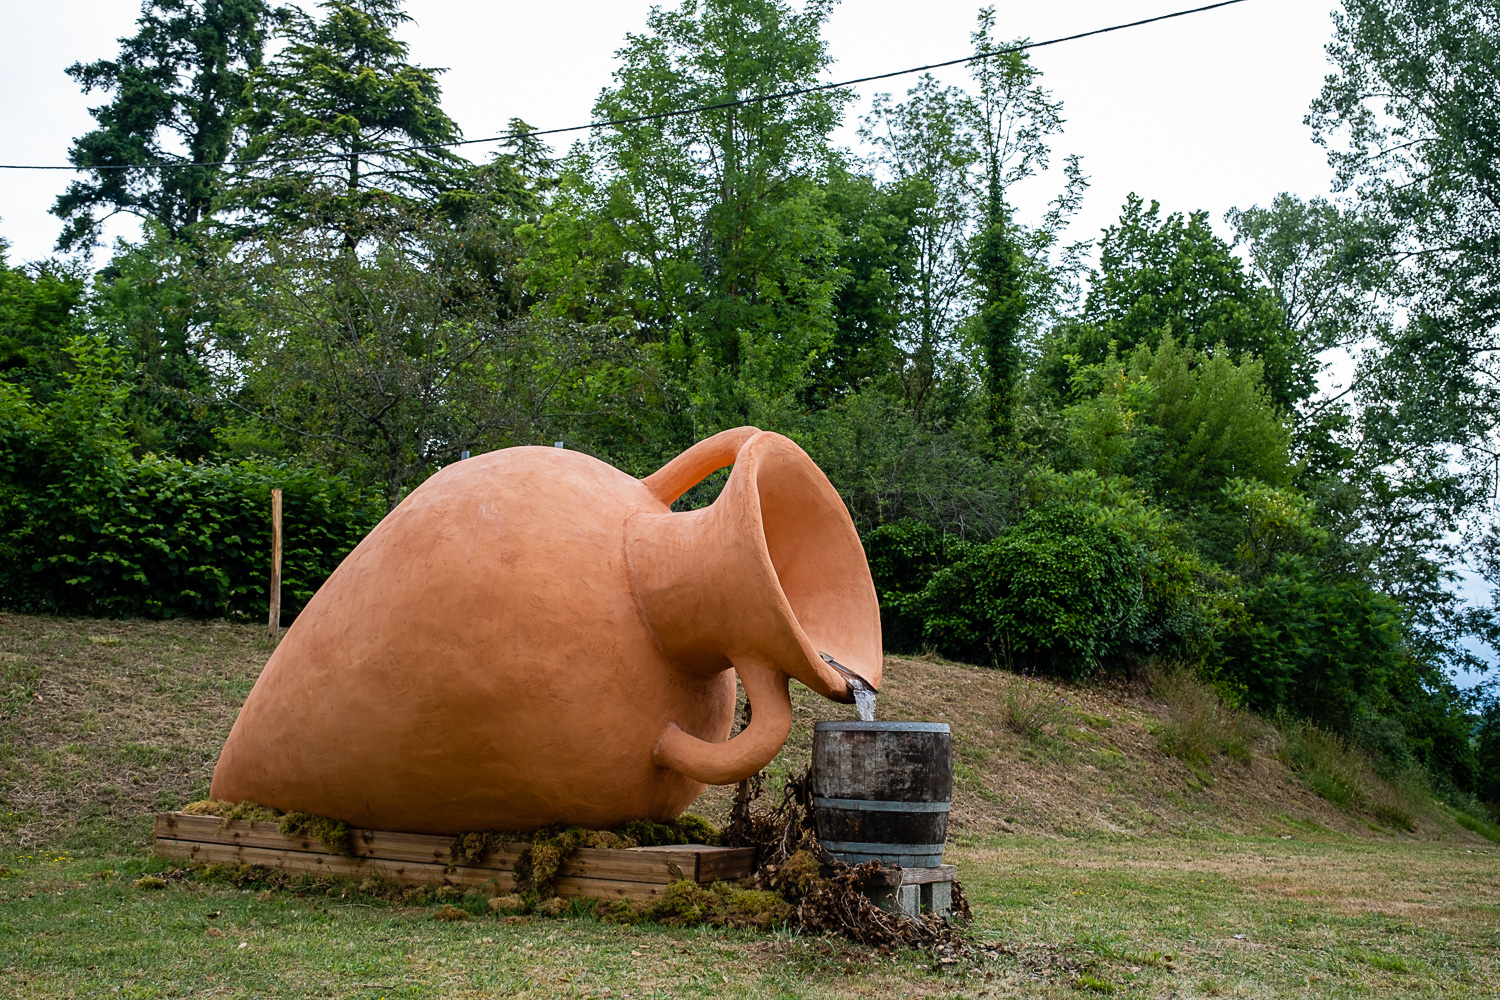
(860, 847)
(881, 727)
(881, 805)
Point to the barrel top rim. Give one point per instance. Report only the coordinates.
(881, 727)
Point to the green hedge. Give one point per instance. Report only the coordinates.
(162, 538)
(85, 528)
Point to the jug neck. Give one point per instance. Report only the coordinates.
(766, 579)
(709, 594)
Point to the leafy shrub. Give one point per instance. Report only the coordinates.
(1091, 573)
(1075, 584)
(87, 528)
(1063, 589)
(162, 538)
(903, 558)
(1488, 755)
(1317, 647)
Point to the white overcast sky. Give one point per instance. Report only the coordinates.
(1203, 112)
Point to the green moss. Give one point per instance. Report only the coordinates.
(617, 912)
(331, 833)
(756, 908)
(550, 847)
(685, 829)
(683, 903)
(230, 811)
(801, 873)
(537, 867)
(509, 903)
(471, 848)
(688, 904)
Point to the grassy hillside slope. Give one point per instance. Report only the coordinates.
(102, 723)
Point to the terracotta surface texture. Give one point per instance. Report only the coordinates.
(535, 637)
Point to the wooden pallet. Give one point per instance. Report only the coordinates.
(640, 873)
(913, 891)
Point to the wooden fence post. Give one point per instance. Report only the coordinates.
(275, 624)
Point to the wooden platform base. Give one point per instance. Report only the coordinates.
(639, 873)
(913, 891)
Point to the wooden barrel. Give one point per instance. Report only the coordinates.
(882, 791)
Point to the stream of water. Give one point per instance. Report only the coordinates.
(864, 695)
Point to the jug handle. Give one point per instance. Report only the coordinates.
(745, 754)
(697, 463)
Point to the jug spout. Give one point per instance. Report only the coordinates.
(770, 579)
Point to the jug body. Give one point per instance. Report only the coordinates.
(533, 637)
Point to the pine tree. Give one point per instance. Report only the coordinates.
(338, 120)
(178, 81)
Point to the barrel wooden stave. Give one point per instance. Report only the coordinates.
(881, 791)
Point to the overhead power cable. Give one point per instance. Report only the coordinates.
(638, 119)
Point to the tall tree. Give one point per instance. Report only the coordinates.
(1322, 262)
(1381, 478)
(335, 120)
(39, 316)
(178, 84)
(1015, 118)
(1001, 272)
(1411, 118)
(876, 254)
(149, 305)
(387, 363)
(927, 146)
(720, 221)
(1173, 276)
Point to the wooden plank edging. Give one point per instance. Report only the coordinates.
(333, 864)
(391, 846)
(428, 858)
(912, 876)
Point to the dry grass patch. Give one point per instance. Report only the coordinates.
(1197, 726)
(95, 737)
(1344, 776)
(1097, 763)
(103, 723)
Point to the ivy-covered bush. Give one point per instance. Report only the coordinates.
(86, 528)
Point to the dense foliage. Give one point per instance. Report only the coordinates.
(87, 528)
(1057, 468)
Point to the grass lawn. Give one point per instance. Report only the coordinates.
(1321, 915)
(102, 723)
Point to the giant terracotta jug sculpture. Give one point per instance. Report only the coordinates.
(534, 637)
